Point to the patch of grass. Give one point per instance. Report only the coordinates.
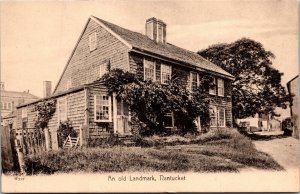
(216, 151)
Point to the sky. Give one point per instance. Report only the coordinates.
(37, 37)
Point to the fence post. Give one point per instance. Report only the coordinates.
(83, 135)
(47, 139)
(20, 157)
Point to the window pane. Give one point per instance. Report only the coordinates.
(149, 70)
(212, 89)
(220, 87)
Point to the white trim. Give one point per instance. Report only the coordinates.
(173, 122)
(109, 108)
(216, 115)
(215, 88)
(58, 110)
(219, 80)
(115, 127)
(197, 77)
(112, 32)
(162, 64)
(93, 41)
(219, 111)
(24, 112)
(154, 69)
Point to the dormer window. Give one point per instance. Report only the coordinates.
(149, 70)
(93, 41)
(166, 73)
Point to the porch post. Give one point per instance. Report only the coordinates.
(115, 113)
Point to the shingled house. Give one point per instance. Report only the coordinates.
(86, 102)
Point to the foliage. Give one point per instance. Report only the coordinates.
(150, 101)
(257, 87)
(64, 130)
(45, 110)
(219, 150)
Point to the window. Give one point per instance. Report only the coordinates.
(221, 117)
(9, 106)
(69, 84)
(5, 105)
(24, 112)
(149, 70)
(168, 120)
(213, 116)
(220, 87)
(166, 73)
(194, 78)
(212, 89)
(93, 41)
(102, 69)
(102, 108)
(62, 109)
(217, 116)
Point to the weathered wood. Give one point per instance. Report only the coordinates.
(47, 139)
(20, 157)
(6, 150)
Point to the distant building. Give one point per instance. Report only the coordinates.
(11, 99)
(293, 89)
(261, 122)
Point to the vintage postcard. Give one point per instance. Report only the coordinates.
(149, 96)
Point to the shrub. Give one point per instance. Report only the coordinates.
(64, 130)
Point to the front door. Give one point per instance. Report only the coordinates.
(123, 118)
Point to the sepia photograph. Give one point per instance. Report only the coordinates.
(149, 96)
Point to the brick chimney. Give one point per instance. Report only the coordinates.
(156, 30)
(46, 88)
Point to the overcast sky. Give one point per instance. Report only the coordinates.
(37, 38)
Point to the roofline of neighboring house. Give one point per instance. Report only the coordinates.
(180, 63)
(115, 35)
(16, 92)
(72, 90)
(54, 96)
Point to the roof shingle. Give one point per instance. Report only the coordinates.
(142, 42)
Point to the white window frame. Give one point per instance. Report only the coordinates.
(216, 116)
(93, 41)
(172, 116)
(24, 112)
(191, 80)
(154, 69)
(165, 69)
(221, 111)
(102, 69)
(214, 90)
(58, 109)
(218, 111)
(109, 108)
(220, 87)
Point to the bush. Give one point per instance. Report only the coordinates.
(109, 141)
(64, 130)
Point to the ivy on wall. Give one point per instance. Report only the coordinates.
(150, 101)
(45, 111)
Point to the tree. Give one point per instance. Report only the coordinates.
(257, 86)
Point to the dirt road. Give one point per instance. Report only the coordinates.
(284, 150)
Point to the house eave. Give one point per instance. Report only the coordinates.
(177, 62)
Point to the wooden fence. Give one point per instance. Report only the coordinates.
(31, 140)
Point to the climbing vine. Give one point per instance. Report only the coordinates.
(149, 101)
(45, 111)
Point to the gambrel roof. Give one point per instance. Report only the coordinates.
(145, 44)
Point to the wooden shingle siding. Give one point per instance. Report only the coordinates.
(97, 129)
(83, 66)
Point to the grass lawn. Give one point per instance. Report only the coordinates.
(216, 151)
